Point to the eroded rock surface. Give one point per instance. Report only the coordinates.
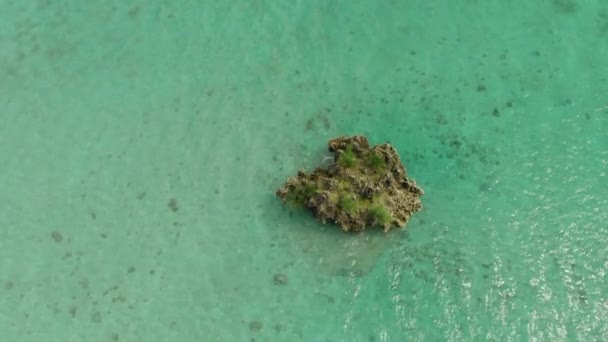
(363, 187)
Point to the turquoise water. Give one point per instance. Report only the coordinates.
(141, 143)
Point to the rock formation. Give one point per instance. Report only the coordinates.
(363, 187)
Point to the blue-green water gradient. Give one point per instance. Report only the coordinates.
(141, 143)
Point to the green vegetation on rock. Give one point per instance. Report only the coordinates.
(347, 158)
(364, 187)
(348, 203)
(376, 161)
(380, 214)
(300, 195)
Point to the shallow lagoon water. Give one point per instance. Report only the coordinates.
(141, 144)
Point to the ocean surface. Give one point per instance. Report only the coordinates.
(141, 143)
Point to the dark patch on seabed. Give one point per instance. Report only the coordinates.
(565, 6)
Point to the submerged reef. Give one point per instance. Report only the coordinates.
(363, 187)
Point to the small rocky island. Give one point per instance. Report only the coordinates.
(363, 187)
